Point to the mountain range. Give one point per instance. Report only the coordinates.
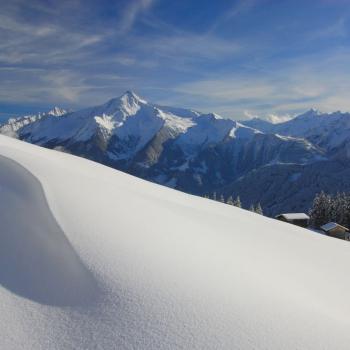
(282, 166)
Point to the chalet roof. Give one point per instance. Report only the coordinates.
(332, 225)
(294, 216)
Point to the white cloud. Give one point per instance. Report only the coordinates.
(64, 60)
(194, 46)
(131, 12)
(228, 89)
(337, 29)
(239, 8)
(287, 89)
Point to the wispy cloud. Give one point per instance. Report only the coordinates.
(338, 29)
(72, 67)
(239, 8)
(131, 13)
(184, 51)
(288, 89)
(253, 56)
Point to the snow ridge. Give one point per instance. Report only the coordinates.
(203, 275)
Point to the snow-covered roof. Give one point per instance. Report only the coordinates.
(332, 225)
(294, 216)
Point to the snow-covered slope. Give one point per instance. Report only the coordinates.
(327, 130)
(124, 125)
(92, 258)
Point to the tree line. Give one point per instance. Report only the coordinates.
(235, 201)
(325, 207)
(330, 208)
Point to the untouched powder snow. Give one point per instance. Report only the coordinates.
(154, 268)
(39, 264)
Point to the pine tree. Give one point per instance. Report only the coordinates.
(346, 209)
(222, 199)
(237, 202)
(337, 208)
(320, 212)
(230, 200)
(252, 208)
(214, 196)
(327, 208)
(258, 209)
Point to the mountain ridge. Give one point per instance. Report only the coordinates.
(195, 152)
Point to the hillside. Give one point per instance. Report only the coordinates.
(94, 258)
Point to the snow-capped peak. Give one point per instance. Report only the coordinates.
(315, 111)
(129, 97)
(211, 117)
(128, 103)
(133, 95)
(312, 112)
(57, 111)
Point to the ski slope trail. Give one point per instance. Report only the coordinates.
(92, 258)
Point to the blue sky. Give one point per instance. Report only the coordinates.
(238, 58)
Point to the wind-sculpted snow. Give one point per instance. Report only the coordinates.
(174, 271)
(36, 259)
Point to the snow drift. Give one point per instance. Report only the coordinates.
(91, 258)
(36, 259)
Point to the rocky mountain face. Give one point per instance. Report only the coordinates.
(280, 165)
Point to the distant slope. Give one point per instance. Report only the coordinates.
(166, 270)
(289, 188)
(12, 126)
(329, 131)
